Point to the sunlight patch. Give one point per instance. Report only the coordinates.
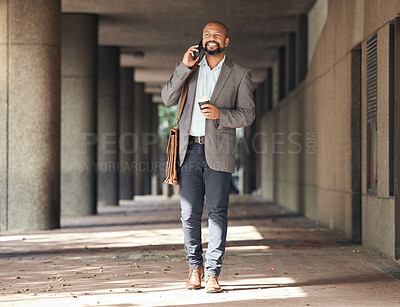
(252, 289)
(123, 238)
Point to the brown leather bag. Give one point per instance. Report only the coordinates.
(173, 141)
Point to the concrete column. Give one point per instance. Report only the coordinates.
(155, 154)
(139, 100)
(126, 148)
(259, 101)
(148, 140)
(108, 126)
(249, 158)
(78, 114)
(30, 55)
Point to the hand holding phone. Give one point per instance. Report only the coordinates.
(200, 48)
(190, 58)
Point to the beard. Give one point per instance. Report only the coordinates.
(214, 52)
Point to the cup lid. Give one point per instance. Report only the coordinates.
(203, 99)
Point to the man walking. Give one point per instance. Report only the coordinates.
(207, 146)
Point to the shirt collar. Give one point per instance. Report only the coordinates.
(204, 62)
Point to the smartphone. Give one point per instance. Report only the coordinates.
(196, 54)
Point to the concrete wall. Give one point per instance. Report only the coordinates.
(378, 210)
(319, 184)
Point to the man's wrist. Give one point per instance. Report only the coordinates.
(187, 65)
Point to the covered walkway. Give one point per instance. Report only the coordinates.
(132, 255)
(83, 134)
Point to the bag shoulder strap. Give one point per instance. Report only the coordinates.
(178, 117)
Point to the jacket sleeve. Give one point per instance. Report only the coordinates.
(244, 113)
(172, 90)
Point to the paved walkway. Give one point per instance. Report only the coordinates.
(133, 255)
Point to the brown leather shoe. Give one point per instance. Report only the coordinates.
(212, 285)
(194, 278)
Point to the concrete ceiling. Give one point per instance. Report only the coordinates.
(163, 30)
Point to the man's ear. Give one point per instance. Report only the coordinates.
(226, 42)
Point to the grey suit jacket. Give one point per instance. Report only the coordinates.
(233, 96)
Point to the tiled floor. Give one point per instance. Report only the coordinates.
(133, 255)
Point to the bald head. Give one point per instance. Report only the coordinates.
(220, 24)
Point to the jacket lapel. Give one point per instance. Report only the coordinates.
(223, 77)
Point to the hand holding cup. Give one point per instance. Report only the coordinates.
(209, 110)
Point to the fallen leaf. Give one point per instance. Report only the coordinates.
(27, 292)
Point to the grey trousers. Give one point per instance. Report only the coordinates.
(197, 180)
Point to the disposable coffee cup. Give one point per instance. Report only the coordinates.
(203, 100)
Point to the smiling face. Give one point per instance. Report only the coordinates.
(214, 38)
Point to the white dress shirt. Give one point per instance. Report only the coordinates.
(205, 86)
